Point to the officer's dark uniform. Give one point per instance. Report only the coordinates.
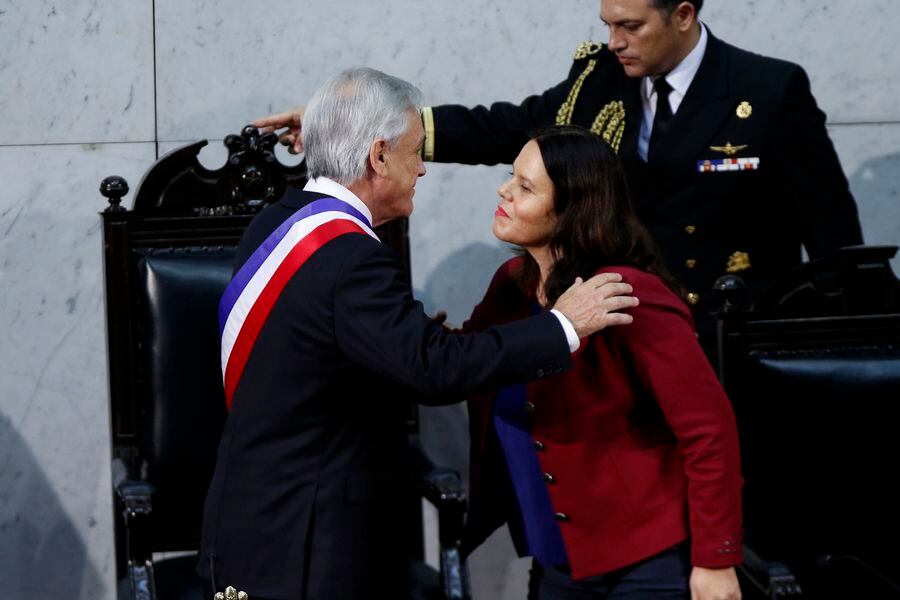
(744, 176)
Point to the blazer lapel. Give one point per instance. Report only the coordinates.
(704, 109)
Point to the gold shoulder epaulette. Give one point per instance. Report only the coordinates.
(586, 49)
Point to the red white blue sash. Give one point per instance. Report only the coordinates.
(256, 286)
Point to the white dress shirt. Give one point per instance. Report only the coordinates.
(680, 79)
(330, 187)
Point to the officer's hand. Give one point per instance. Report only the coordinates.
(593, 304)
(714, 584)
(293, 120)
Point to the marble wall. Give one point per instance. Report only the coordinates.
(94, 87)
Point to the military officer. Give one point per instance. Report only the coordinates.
(728, 159)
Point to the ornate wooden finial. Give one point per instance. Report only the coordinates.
(249, 152)
(114, 188)
(252, 176)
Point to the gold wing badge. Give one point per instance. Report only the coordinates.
(715, 165)
(728, 149)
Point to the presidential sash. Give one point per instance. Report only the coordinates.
(255, 288)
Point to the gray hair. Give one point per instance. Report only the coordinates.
(347, 113)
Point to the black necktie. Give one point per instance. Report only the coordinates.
(663, 117)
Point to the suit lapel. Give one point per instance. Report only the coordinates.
(705, 107)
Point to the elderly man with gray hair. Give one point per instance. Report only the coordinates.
(323, 347)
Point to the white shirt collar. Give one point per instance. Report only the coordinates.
(330, 187)
(683, 74)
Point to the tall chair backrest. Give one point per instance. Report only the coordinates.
(814, 373)
(167, 262)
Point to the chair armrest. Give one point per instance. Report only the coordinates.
(136, 497)
(439, 485)
(137, 505)
(773, 579)
(443, 488)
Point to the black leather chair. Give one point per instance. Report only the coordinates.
(813, 370)
(167, 261)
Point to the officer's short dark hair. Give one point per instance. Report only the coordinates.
(669, 6)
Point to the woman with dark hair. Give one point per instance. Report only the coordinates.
(620, 477)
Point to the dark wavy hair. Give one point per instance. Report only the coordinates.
(595, 223)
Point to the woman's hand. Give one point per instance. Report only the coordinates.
(714, 584)
(293, 120)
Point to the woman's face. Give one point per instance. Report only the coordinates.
(525, 214)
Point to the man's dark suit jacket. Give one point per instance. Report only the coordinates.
(751, 222)
(307, 497)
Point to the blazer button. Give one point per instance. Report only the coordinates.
(693, 298)
(539, 446)
(690, 229)
(562, 517)
(528, 407)
(690, 263)
(549, 478)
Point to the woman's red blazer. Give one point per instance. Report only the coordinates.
(638, 438)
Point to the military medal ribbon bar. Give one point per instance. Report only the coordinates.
(717, 165)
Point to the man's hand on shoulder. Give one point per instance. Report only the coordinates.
(290, 119)
(593, 305)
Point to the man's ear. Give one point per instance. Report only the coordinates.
(377, 156)
(685, 15)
